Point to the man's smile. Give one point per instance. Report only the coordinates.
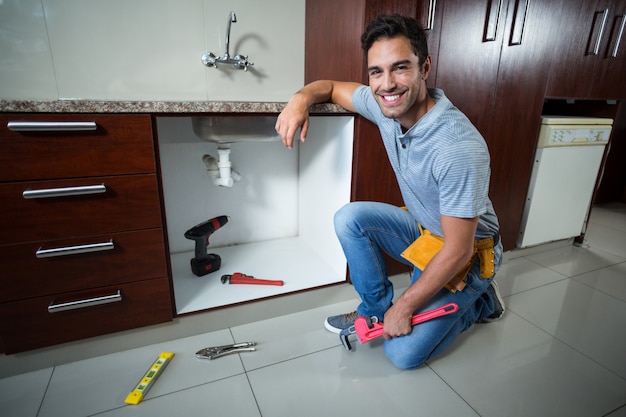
(391, 99)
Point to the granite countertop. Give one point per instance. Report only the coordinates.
(93, 106)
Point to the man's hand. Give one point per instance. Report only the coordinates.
(294, 116)
(397, 322)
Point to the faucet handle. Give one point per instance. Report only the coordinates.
(209, 59)
(242, 62)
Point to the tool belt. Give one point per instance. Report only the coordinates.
(420, 252)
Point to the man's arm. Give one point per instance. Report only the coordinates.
(295, 115)
(458, 248)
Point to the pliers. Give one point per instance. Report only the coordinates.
(368, 328)
(219, 351)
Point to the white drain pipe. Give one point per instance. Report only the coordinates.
(221, 170)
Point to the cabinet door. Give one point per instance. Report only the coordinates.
(493, 60)
(609, 81)
(334, 29)
(469, 55)
(520, 91)
(591, 54)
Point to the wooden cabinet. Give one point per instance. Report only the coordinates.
(333, 51)
(591, 58)
(493, 60)
(497, 61)
(81, 243)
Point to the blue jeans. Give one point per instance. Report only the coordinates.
(366, 230)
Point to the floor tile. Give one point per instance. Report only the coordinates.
(612, 215)
(21, 395)
(362, 383)
(607, 238)
(520, 274)
(610, 280)
(588, 320)
(102, 383)
(572, 260)
(621, 412)
(512, 368)
(290, 336)
(227, 397)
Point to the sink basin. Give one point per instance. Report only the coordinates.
(223, 129)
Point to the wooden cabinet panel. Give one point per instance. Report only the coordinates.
(469, 56)
(493, 65)
(119, 145)
(133, 254)
(81, 224)
(334, 29)
(131, 202)
(333, 51)
(591, 56)
(28, 324)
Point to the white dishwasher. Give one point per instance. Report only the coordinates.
(567, 162)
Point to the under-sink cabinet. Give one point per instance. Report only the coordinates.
(280, 205)
(82, 243)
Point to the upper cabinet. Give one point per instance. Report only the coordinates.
(493, 59)
(334, 29)
(591, 57)
(497, 60)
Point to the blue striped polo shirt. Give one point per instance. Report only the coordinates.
(441, 163)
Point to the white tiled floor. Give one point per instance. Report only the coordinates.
(559, 351)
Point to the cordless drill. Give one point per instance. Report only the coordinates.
(204, 263)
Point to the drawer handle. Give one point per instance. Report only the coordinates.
(51, 126)
(519, 21)
(491, 23)
(88, 302)
(597, 29)
(64, 191)
(74, 250)
(618, 38)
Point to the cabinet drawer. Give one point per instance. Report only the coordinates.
(43, 268)
(29, 324)
(120, 144)
(128, 203)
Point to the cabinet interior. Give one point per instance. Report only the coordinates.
(281, 211)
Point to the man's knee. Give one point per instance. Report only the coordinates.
(346, 217)
(404, 356)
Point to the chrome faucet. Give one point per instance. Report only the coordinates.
(238, 61)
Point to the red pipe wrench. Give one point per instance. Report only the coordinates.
(368, 328)
(239, 278)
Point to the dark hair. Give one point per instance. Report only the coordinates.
(391, 26)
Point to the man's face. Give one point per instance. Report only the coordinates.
(396, 80)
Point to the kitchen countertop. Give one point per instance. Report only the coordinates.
(94, 106)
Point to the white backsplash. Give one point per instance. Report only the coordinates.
(149, 49)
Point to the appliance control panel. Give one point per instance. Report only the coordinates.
(573, 132)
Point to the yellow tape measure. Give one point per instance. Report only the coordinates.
(157, 368)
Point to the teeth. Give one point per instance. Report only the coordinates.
(391, 98)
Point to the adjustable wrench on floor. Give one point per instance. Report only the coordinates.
(239, 278)
(368, 328)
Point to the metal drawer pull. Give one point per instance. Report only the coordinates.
(74, 250)
(597, 29)
(51, 126)
(64, 191)
(618, 38)
(89, 302)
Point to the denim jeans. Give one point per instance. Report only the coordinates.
(366, 230)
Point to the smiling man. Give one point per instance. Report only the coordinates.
(442, 166)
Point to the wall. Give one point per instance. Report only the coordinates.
(149, 49)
